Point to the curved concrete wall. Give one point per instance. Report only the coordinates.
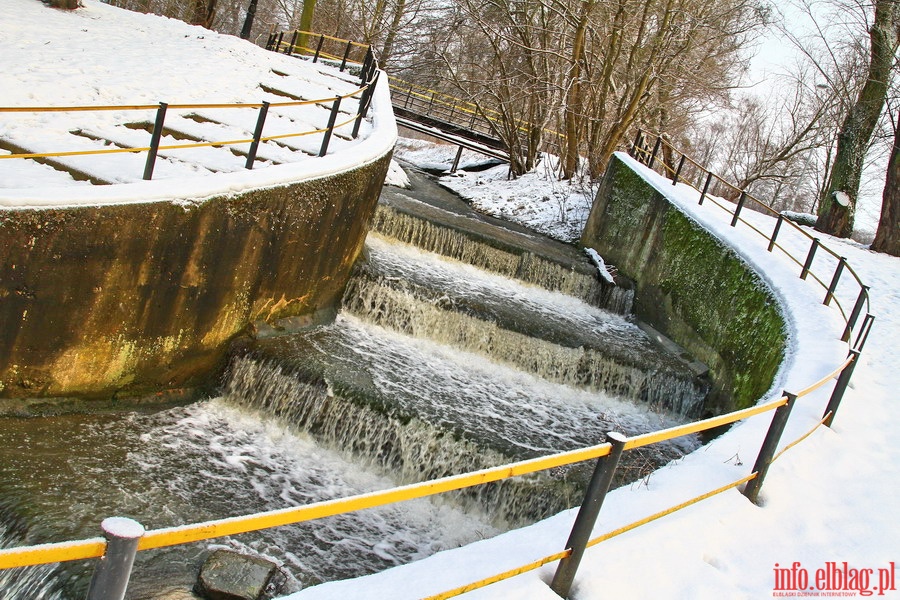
(136, 298)
(690, 286)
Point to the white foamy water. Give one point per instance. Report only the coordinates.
(206, 461)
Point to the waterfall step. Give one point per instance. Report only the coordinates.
(439, 221)
(421, 410)
(548, 334)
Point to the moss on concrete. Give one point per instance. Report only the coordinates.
(690, 286)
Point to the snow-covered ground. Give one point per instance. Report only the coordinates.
(99, 55)
(830, 500)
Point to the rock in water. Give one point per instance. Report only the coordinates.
(229, 575)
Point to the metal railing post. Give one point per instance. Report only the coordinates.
(769, 445)
(367, 64)
(154, 140)
(809, 258)
(458, 156)
(290, 49)
(829, 295)
(364, 101)
(110, 578)
(319, 47)
(278, 41)
(346, 55)
(775, 232)
(636, 145)
(655, 150)
(854, 314)
(739, 208)
(587, 514)
(709, 177)
(257, 134)
(678, 170)
(331, 120)
(839, 388)
(864, 332)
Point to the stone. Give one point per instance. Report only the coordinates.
(230, 575)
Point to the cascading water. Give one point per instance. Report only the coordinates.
(205, 461)
(433, 367)
(548, 334)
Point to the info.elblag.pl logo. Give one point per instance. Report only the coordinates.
(833, 580)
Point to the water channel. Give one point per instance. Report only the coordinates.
(432, 367)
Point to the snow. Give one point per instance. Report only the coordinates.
(122, 527)
(832, 498)
(113, 57)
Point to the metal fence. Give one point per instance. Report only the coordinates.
(363, 96)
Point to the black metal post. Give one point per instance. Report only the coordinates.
(678, 170)
(809, 258)
(829, 295)
(346, 55)
(739, 208)
(154, 140)
(769, 445)
(290, 49)
(278, 42)
(655, 150)
(367, 64)
(430, 104)
(257, 134)
(864, 332)
(270, 40)
(455, 166)
(587, 514)
(854, 314)
(319, 47)
(636, 145)
(110, 578)
(839, 388)
(364, 101)
(331, 120)
(775, 232)
(709, 177)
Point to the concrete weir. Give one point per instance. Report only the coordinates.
(135, 297)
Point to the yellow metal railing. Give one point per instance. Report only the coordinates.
(692, 173)
(360, 92)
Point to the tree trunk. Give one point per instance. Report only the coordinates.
(887, 238)
(573, 108)
(838, 205)
(248, 20)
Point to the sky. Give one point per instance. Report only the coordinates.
(831, 499)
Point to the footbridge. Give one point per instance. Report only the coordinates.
(416, 107)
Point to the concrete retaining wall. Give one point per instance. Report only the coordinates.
(134, 299)
(690, 286)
